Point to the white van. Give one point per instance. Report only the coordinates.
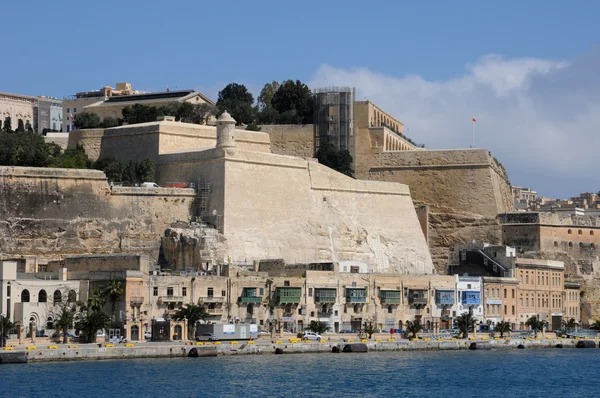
(149, 185)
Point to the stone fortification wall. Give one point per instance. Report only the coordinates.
(465, 190)
(89, 140)
(105, 262)
(291, 139)
(148, 140)
(273, 206)
(55, 212)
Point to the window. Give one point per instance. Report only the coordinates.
(580, 244)
(184, 291)
(468, 286)
(286, 283)
(570, 244)
(169, 291)
(390, 309)
(593, 246)
(527, 302)
(310, 292)
(155, 291)
(579, 232)
(8, 290)
(261, 290)
(569, 232)
(210, 292)
(57, 297)
(513, 294)
(72, 297)
(521, 302)
(538, 279)
(223, 292)
(504, 293)
(25, 296)
(555, 244)
(68, 110)
(42, 296)
(505, 312)
(591, 232)
(527, 279)
(68, 128)
(513, 309)
(74, 110)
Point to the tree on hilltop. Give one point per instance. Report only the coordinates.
(294, 102)
(237, 101)
(340, 161)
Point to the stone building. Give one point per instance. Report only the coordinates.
(33, 300)
(17, 107)
(48, 115)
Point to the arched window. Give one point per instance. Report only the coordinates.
(591, 232)
(50, 323)
(390, 309)
(569, 232)
(399, 324)
(580, 244)
(593, 246)
(579, 232)
(72, 296)
(42, 297)
(57, 297)
(570, 244)
(555, 244)
(25, 296)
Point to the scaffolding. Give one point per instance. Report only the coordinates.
(333, 116)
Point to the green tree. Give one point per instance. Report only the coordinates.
(503, 327)
(295, 100)
(7, 327)
(23, 149)
(595, 325)
(193, 313)
(340, 161)
(109, 122)
(87, 120)
(20, 126)
(113, 290)
(370, 328)
(318, 327)
(145, 170)
(91, 322)
(196, 113)
(71, 159)
(414, 327)
(535, 323)
(237, 100)
(7, 124)
(465, 323)
(139, 113)
(97, 299)
(569, 324)
(129, 173)
(265, 113)
(64, 318)
(114, 169)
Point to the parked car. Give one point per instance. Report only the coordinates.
(100, 333)
(148, 335)
(311, 336)
(55, 334)
(207, 337)
(264, 333)
(149, 185)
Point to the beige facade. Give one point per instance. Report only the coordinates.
(540, 291)
(17, 107)
(500, 298)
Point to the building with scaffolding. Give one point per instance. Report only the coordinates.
(334, 116)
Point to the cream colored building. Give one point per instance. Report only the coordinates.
(17, 107)
(109, 102)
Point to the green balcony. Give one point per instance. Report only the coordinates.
(249, 295)
(288, 295)
(356, 295)
(325, 295)
(390, 296)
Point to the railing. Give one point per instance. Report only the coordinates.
(417, 300)
(215, 311)
(250, 299)
(172, 299)
(212, 299)
(136, 300)
(356, 299)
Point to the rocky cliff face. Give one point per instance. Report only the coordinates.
(193, 247)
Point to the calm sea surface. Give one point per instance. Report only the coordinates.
(516, 373)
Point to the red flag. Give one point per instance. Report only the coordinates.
(474, 119)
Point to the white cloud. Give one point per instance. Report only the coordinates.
(538, 117)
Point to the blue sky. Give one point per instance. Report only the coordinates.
(412, 46)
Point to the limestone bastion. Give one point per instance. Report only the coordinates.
(252, 204)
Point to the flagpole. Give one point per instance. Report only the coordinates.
(473, 142)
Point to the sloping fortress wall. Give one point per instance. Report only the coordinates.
(53, 212)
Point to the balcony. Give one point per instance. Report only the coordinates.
(172, 299)
(471, 298)
(288, 295)
(250, 299)
(249, 295)
(325, 295)
(390, 296)
(356, 295)
(417, 296)
(135, 300)
(212, 299)
(214, 311)
(444, 297)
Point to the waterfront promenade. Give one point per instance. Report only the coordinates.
(72, 352)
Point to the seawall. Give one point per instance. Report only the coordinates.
(178, 350)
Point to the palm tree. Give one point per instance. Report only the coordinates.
(113, 290)
(414, 327)
(63, 320)
(318, 327)
(595, 325)
(193, 313)
(503, 327)
(92, 321)
(569, 324)
(370, 329)
(535, 323)
(97, 299)
(7, 325)
(465, 323)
